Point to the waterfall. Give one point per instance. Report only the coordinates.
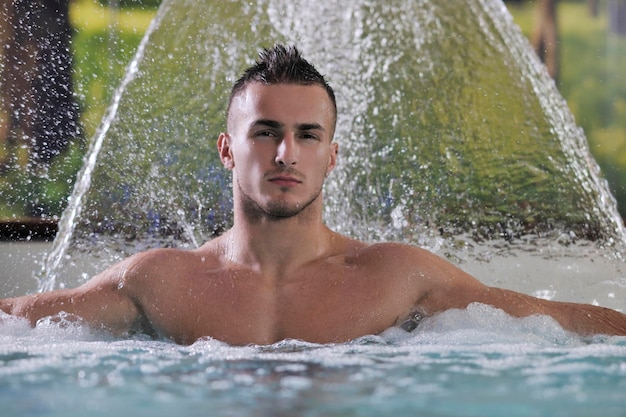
(451, 136)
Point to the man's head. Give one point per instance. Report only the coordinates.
(279, 144)
(282, 65)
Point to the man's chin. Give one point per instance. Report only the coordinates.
(276, 208)
(273, 211)
(283, 211)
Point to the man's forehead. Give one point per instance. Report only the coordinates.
(266, 97)
(257, 90)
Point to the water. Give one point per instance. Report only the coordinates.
(451, 137)
(463, 363)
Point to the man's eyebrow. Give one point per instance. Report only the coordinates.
(277, 125)
(311, 126)
(267, 122)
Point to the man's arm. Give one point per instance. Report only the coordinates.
(584, 319)
(102, 302)
(449, 287)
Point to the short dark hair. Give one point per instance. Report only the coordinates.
(282, 65)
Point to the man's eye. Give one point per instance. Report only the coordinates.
(309, 136)
(265, 133)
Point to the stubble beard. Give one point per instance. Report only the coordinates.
(274, 210)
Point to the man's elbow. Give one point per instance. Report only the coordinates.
(17, 307)
(7, 306)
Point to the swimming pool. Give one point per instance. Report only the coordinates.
(477, 362)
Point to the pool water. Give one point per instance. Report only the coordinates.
(475, 362)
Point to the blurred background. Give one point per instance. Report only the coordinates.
(61, 61)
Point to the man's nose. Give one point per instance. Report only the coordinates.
(287, 151)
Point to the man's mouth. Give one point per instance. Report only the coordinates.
(285, 180)
(285, 177)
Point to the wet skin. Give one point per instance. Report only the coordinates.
(279, 272)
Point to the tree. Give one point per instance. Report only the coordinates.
(617, 16)
(545, 37)
(37, 104)
(592, 5)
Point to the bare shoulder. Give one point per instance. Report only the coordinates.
(156, 263)
(163, 256)
(422, 268)
(397, 255)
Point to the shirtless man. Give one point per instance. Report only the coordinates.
(279, 272)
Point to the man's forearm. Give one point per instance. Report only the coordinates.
(104, 309)
(586, 319)
(32, 307)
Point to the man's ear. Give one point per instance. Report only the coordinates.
(224, 149)
(332, 158)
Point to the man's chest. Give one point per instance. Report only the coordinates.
(243, 308)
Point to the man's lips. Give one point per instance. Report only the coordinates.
(285, 177)
(284, 180)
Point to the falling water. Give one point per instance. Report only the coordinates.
(73, 211)
(451, 135)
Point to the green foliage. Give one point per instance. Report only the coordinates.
(138, 4)
(450, 138)
(593, 82)
(100, 62)
(100, 59)
(42, 192)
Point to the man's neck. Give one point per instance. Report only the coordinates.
(271, 245)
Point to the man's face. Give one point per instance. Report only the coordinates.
(279, 147)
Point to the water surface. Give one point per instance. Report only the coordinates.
(478, 362)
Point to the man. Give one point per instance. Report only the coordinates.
(279, 272)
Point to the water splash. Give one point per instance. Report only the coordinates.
(68, 221)
(451, 137)
(478, 359)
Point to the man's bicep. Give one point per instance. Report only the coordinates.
(444, 286)
(106, 303)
